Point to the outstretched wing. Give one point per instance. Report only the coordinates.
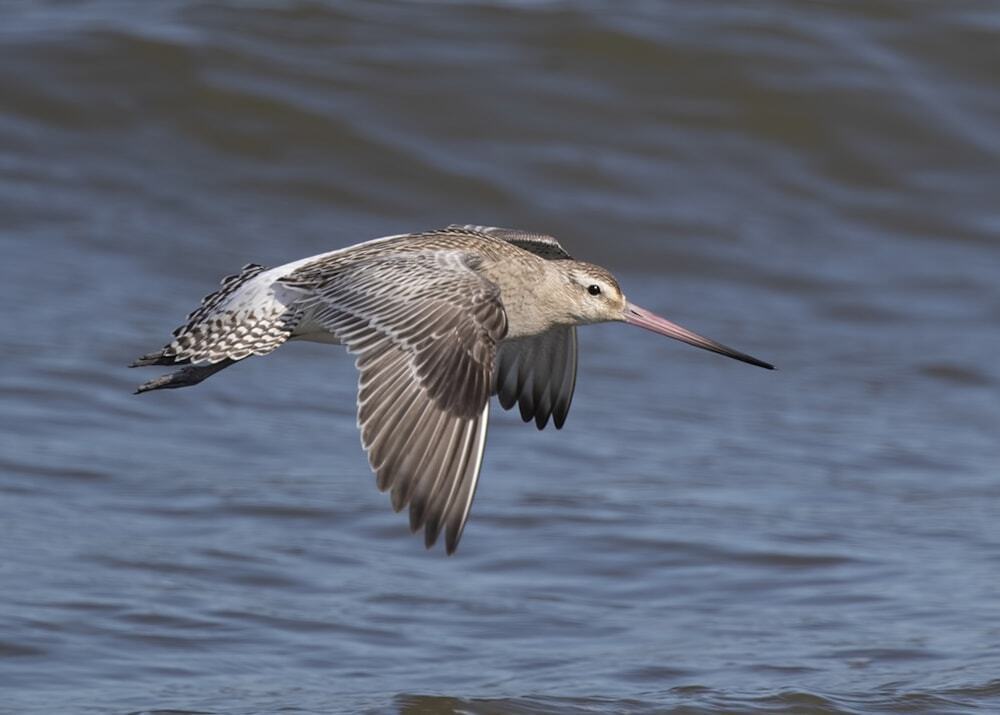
(424, 327)
(538, 373)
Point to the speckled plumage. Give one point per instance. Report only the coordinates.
(228, 326)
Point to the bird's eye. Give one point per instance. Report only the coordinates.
(594, 289)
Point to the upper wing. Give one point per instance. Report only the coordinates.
(537, 243)
(538, 373)
(424, 327)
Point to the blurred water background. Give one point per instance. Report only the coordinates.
(813, 182)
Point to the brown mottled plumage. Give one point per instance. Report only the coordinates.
(437, 321)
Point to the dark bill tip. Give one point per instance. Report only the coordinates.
(634, 315)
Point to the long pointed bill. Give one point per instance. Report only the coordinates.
(634, 315)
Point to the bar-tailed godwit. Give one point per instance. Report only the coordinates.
(438, 322)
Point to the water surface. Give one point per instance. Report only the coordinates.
(814, 183)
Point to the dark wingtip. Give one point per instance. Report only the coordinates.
(430, 537)
(451, 538)
(559, 414)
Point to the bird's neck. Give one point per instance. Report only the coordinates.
(530, 293)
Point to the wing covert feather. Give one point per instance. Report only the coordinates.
(537, 243)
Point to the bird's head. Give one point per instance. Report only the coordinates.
(594, 296)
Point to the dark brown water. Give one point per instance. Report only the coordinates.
(814, 183)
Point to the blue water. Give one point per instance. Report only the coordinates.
(813, 184)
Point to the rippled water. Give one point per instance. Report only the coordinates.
(814, 183)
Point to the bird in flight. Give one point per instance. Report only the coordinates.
(438, 322)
